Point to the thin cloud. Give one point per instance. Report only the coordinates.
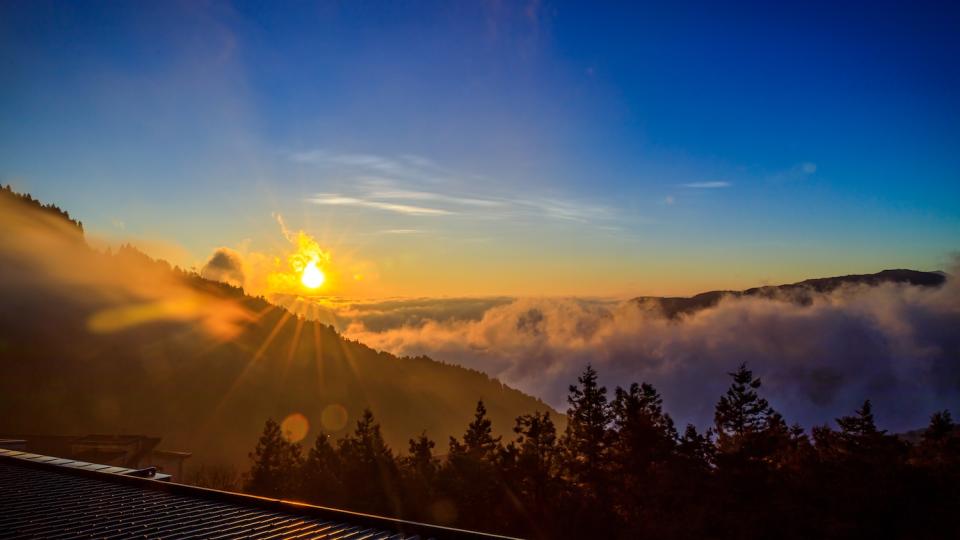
(566, 210)
(402, 231)
(417, 186)
(410, 210)
(402, 194)
(707, 185)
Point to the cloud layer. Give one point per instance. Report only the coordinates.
(894, 344)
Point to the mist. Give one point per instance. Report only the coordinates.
(895, 344)
(49, 268)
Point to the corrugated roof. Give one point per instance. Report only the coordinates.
(45, 497)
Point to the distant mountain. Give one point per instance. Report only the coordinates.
(116, 342)
(801, 293)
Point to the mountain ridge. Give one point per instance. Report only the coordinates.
(801, 292)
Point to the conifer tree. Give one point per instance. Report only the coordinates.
(321, 473)
(536, 459)
(741, 417)
(695, 449)
(644, 432)
(276, 463)
(478, 440)
(421, 458)
(586, 449)
(741, 410)
(940, 443)
(370, 471)
(470, 477)
(588, 436)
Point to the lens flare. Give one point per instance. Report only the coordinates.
(312, 276)
(295, 427)
(334, 417)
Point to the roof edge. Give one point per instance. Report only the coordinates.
(425, 530)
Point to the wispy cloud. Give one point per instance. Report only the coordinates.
(417, 186)
(707, 185)
(401, 194)
(402, 231)
(565, 210)
(338, 200)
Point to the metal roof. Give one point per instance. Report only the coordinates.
(47, 497)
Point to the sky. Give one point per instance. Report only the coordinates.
(486, 148)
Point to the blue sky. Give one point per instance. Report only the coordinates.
(499, 147)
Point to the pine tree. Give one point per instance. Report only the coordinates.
(276, 463)
(470, 477)
(859, 439)
(940, 443)
(321, 473)
(418, 472)
(536, 459)
(588, 435)
(741, 410)
(478, 440)
(370, 473)
(421, 460)
(742, 418)
(696, 450)
(586, 449)
(644, 433)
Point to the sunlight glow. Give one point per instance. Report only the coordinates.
(295, 427)
(312, 276)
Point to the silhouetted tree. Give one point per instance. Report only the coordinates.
(418, 472)
(276, 464)
(940, 443)
(642, 455)
(588, 436)
(321, 473)
(696, 449)
(371, 477)
(421, 458)
(536, 469)
(741, 414)
(471, 476)
(621, 470)
(586, 444)
(478, 441)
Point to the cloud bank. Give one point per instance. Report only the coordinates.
(225, 265)
(895, 344)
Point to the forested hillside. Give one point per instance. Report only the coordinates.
(116, 342)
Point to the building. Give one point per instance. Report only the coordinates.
(130, 451)
(45, 496)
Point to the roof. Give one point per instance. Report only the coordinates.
(120, 450)
(47, 497)
(82, 465)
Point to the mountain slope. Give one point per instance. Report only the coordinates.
(120, 343)
(801, 292)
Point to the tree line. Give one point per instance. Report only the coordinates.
(622, 469)
(52, 209)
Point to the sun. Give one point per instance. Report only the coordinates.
(312, 276)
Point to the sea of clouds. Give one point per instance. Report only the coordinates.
(897, 345)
